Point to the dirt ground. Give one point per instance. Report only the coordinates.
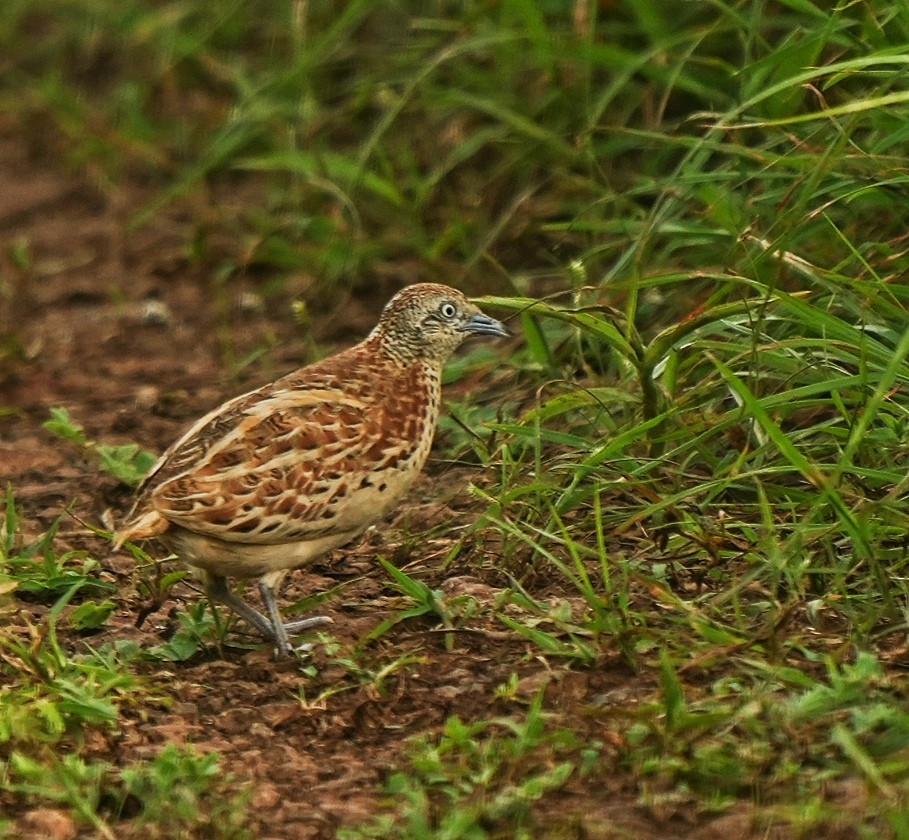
(117, 326)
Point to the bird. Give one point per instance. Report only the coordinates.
(275, 478)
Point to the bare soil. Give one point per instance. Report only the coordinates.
(136, 340)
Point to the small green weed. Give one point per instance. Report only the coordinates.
(475, 781)
(427, 601)
(786, 732)
(69, 781)
(178, 794)
(125, 462)
(91, 615)
(35, 569)
(199, 628)
(181, 793)
(377, 677)
(155, 580)
(50, 694)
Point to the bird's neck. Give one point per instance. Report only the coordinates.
(399, 352)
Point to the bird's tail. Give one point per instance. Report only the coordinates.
(149, 525)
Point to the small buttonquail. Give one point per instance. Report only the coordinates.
(277, 477)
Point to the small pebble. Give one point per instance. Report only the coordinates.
(156, 313)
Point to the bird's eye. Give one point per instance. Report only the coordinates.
(448, 310)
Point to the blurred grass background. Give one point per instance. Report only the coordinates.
(504, 140)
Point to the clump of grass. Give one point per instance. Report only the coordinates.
(476, 780)
(182, 792)
(178, 793)
(772, 729)
(52, 698)
(713, 458)
(36, 570)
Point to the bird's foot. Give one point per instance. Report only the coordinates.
(280, 628)
(283, 645)
(307, 623)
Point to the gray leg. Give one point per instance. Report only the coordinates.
(270, 599)
(271, 606)
(272, 627)
(217, 589)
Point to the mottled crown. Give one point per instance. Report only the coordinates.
(427, 322)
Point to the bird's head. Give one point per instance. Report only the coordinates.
(428, 321)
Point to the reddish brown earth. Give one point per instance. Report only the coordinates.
(119, 327)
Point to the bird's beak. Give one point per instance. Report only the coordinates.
(481, 324)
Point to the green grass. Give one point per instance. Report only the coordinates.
(488, 773)
(697, 213)
(55, 702)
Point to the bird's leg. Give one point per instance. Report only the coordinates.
(271, 627)
(271, 607)
(270, 599)
(217, 589)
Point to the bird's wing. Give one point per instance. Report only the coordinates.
(192, 445)
(276, 465)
